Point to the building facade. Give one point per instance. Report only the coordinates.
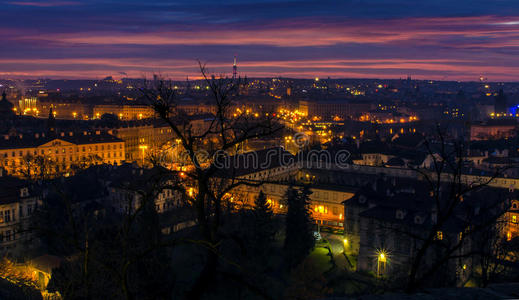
(124, 112)
(18, 201)
(50, 154)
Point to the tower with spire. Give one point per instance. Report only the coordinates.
(234, 69)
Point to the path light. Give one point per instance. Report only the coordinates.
(143, 148)
(381, 262)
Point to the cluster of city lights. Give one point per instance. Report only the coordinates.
(369, 118)
(494, 115)
(291, 116)
(246, 111)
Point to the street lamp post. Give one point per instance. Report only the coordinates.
(381, 260)
(143, 148)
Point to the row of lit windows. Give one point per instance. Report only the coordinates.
(71, 158)
(322, 209)
(63, 150)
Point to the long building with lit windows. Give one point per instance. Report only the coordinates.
(58, 153)
(277, 169)
(124, 112)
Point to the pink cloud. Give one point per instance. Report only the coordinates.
(300, 33)
(447, 40)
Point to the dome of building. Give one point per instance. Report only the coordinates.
(6, 107)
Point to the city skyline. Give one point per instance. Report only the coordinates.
(438, 40)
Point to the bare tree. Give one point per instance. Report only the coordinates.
(492, 253)
(223, 135)
(448, 188)
(118, 254)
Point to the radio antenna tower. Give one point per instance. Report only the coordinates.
(234, 69)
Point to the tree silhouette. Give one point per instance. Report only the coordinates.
(263, 226)
(299, 240)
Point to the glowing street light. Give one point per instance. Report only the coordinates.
(143, 148)
(381, 262)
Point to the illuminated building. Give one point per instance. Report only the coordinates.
(151, 136)
(136, 134)
(24, 155)
(512, 217)
(126, 186)
(328, 109)
(28, 105)
(197, 109)
(391, 217)
(493, 129)
(18, 201)
(124, 112)
(325, 201)
(65, 110)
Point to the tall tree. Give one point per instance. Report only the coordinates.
(299, 240)
(264, 229)
(223, 134)
(448, 186)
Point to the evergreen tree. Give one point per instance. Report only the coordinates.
(299, 240)
(263, 226)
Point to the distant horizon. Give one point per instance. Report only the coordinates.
(193, 79)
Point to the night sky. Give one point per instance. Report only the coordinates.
(427, 39)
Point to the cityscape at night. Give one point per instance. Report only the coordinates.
(259, 149)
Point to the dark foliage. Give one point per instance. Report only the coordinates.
(299, 239)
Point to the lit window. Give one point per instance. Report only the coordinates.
(514, 219)
(439, 235)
